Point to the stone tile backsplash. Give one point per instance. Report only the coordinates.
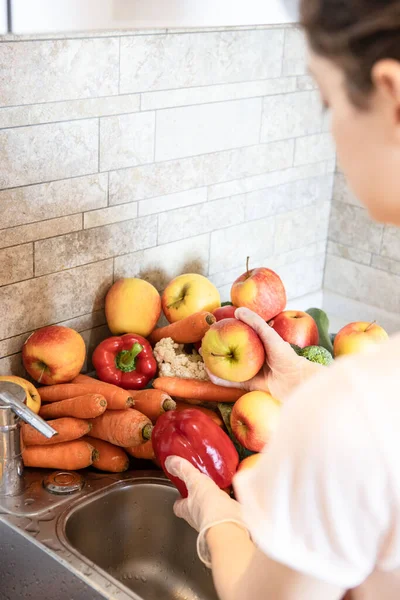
(363, 261)
(151, 154)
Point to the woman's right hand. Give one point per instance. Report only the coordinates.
(283, 370)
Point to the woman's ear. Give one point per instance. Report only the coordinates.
(386, 80)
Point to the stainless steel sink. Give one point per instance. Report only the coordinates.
(117, 538)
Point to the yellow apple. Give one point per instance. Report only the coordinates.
(249, 462)
(255, 417)
(132, 306)
(32, 395)
(54, 354)
(358, 337)
(188, 294)
(232, 350)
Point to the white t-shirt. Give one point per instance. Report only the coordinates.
(325, 498)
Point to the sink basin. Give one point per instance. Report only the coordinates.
(116, 539)
(129, 531)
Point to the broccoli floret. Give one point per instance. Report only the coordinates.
(317, 354)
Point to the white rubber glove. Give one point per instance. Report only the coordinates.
(283, 371)
(206, 505)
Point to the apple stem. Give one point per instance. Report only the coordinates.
(370, 325)
(247, 266)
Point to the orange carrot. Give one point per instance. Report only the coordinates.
(68, 429)
(67, 455)
(152, 403)
(197, 389)
(117, 399)
(186, 331)
(88, 406)
(210, 413)
(122, 427)
(143, 451)
(111, 458)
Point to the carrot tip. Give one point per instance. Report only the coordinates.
(146, 431)
(103, 402)
(169, 404)
(95, 455)
(130, 402)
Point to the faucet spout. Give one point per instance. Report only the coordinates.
(13, 396)
(12, 410)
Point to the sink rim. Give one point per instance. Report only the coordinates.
(157, 477)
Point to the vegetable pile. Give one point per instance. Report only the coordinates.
(151, 396)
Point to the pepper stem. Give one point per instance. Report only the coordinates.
(126, 359)
(247, 266)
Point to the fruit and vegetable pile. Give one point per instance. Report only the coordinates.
(152, 396)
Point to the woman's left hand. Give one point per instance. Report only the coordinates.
(206, 503)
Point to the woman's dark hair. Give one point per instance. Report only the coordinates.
(355, 34)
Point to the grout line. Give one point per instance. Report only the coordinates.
(283, 51)
(91, 262)
(98, 145)
(71, 119)
(33, 258)
(158, 196)
(14, 38)
(119, 66)
(80, 316)
(176, 159)
(156, 91)
(239, 193)
(155, 136)
(96, 262)
(294, 154)
(261, 122)
(209, 254)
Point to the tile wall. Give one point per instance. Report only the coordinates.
(150, 154)
(363, 258)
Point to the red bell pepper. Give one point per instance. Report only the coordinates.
(126, 361)
(194, 436)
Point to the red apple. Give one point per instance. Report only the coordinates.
(232, 350)
(54, 354)
(261, 290)
(254, 418)
(358, 337)
(296, 327)
(224, 312)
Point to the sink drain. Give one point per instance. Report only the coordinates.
(63, 482)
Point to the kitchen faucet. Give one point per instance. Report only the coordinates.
(12, 409)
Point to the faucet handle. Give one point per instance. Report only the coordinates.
(13, 396)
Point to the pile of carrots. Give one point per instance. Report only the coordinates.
(96, 425)
(101, 425)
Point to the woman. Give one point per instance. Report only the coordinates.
(320, 513)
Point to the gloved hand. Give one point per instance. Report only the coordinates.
(205, 506)
(283, 370)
